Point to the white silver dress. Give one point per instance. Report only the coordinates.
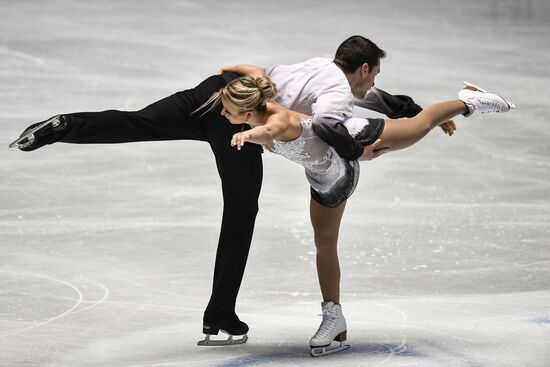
(332, 178)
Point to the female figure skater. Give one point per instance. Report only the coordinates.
(249, 100)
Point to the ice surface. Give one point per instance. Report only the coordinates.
(107, 251)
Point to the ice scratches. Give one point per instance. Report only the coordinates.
(21, 55)
(176, 363)
(401, 347)
(286, 355)
(447, 357)
(160, 291)
(79, 301)
(383, 352)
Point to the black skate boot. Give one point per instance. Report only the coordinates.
(231, 326)
(45, 132)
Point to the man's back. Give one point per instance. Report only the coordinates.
(300, 85)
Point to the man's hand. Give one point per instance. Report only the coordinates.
(243, 69)
(372, 151)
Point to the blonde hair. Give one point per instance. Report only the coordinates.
(244, 94)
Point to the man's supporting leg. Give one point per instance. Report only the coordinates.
(241, 178)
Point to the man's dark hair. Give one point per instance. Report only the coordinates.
(356, 51)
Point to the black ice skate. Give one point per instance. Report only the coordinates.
(41, 133)
(233, 328)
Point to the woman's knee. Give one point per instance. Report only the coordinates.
(325, 240)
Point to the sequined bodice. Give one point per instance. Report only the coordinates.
(331, 177)
(308, 150)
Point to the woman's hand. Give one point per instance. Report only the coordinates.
(239, 139)
(448, 127)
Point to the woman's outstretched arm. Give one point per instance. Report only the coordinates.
(263, 134)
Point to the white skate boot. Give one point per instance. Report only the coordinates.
(333, 327)
(482, 101)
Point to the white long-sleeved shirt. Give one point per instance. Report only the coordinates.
(319, 88)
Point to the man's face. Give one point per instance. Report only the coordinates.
(365, 80)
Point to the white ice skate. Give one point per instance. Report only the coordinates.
(480, 100)
(333, 328)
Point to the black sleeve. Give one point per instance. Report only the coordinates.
(334, 133)
(393, 106)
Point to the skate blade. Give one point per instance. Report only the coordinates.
(29, 136)
(511, 105)
(23, 141)
(208, 342)
(468, 84)
(328, 350)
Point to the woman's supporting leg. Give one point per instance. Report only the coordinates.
(400, 134)
(326, 225)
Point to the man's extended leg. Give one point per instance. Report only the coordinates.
(170, 118)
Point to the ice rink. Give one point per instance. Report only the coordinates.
(107, 251)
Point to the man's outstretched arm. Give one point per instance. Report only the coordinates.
(393, 106)
(244, 69)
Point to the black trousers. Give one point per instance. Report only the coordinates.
(172, 118)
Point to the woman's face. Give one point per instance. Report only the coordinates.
(232, 114)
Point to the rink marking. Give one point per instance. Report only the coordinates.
(78, 302)
(179, 363)
(105, 296)
(162, 291)
(301, 354)
(542, 320)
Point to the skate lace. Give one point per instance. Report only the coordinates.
(329, 322)
(488, 104)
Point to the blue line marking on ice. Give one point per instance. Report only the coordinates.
(542, 320)
(303, 353)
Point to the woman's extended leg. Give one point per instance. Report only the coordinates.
(399, 134)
